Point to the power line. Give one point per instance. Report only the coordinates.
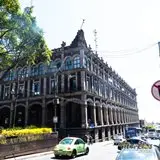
(127, 54)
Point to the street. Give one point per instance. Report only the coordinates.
(101, 152)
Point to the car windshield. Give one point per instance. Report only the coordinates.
(66, 141)
(137, 155)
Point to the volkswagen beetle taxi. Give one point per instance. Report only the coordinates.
(71, 146)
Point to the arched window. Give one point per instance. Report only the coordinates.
(76, 62)
(41, 70)
(11, 75)
(25, 72)
(58, 64)
(19, 73)
(52, 67)
(34, 71)
(68, 64)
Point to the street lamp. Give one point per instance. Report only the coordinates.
(55, 117)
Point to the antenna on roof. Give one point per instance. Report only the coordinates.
(31, 3)
(82, 23)
(95, 40)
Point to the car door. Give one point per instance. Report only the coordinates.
(82, 145)
(77, 146)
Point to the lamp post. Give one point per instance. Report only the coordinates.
(55, 117)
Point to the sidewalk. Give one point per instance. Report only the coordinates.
(95, 145)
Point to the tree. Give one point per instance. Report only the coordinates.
(21, 40)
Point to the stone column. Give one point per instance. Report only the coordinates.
(11, 115)
(101, 116)
(84, 116)
(113, 129)
(28, 88)
(26, 113)
(107, 118)
(96, 133)
(62, 115)
(109, 133)
(62, 83)
(43, 113)
(83, 87)
(44, 86)
(103, 134)
(94, 115)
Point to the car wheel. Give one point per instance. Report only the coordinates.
(74, 154)
(56, 156)
(87, 151)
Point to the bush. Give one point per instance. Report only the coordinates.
(23, 132)
(31, 133)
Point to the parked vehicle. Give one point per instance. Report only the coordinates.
(152, 134)
(158, 133)
(118, 139)
(71, 146)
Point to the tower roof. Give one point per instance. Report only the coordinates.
(79, 40)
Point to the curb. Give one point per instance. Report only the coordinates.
(30, 156)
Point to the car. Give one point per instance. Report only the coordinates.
(151, 153)
(118, 139)
(71, 146)
(133, 140)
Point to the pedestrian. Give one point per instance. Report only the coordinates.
(90, 139)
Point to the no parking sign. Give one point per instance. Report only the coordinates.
(155, 90)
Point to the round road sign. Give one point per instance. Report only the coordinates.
(156, 90)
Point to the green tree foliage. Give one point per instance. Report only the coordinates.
(21, 40)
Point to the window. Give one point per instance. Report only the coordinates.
(88, 85)
(6, 92)
(36, 88)
(53, 86)
(68, 64)
(41, 69)
(11, 75)
(19, 73)
(66, 141)
(58, 64)
(21, 90)
(73, 84)
(34, 71)
(25, 72)
(76, 62)
(85, 63)
(52, 67)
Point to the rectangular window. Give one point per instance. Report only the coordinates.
(6, 92)
(21, 91)
(36, 88)
(53, 86)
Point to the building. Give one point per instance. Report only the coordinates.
(77, 87)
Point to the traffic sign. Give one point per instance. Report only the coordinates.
(155, 90)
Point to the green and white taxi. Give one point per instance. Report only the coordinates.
(71, 146)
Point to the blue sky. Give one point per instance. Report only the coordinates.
(129, 25)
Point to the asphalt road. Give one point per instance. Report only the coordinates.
(103, 152)
(97, 152)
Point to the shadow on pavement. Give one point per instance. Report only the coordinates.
(66, 158)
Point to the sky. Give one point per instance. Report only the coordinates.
(127, 35)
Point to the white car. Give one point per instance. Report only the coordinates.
(118, 139)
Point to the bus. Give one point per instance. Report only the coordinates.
(133, 132)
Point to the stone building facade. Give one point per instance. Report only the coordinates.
(77, 87)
